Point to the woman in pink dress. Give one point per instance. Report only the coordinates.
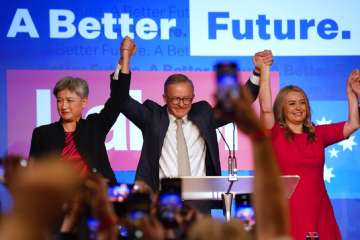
(299, 147)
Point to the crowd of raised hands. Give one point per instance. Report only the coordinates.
(52, 202)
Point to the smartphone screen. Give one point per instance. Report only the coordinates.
(170, 201)
(226, 75)
(93, 225)
(138, 206)
(119, 192)
(118, 195)
(244, 210)
(227, 83)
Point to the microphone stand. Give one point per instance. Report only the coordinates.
(228, 196)
(232, 177)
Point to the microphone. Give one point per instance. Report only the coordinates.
(232, 162)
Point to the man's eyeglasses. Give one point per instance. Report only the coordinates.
(177, 100)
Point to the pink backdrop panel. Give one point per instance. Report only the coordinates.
(22, 86)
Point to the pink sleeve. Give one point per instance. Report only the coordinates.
(330, 133)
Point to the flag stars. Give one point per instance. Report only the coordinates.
(323, 121)
(348, 143)
(328, 174)
(333, 153)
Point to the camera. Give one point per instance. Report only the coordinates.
(227, 84)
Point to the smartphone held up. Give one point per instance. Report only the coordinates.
(227, 82)
(244, 210)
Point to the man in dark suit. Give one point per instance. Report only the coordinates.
(161, 125)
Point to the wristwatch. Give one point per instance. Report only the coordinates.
(256, 73)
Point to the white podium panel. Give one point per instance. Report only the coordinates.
(211, 187)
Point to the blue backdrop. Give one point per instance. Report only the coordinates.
(175, 36)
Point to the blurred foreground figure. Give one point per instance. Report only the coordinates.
(12, 166)
(39, 193)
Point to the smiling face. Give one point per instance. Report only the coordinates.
(70, 105)
(295, 108)
(178, 97)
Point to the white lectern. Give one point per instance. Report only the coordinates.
(213, 187)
